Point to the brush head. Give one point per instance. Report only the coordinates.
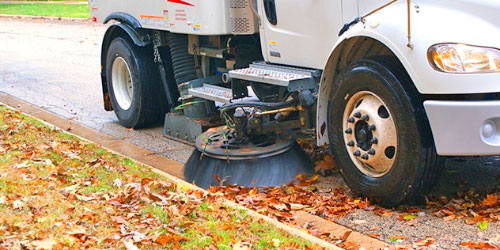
(273, 170)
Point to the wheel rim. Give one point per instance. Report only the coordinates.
(370, 134)
(123, 87)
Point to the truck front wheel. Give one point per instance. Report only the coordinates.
(379, 134)
(131, 84)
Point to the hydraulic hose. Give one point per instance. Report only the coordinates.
(265, 105)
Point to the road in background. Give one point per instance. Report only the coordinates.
(55, 65)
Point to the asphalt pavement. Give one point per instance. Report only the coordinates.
(55, 65)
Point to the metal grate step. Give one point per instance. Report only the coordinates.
(212, 92)
(293, 78)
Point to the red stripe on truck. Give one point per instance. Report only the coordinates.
(180, 2)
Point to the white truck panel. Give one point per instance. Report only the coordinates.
(200, 17)
(305, 33)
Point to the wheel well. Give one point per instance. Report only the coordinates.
(360, 47)
(345, 53)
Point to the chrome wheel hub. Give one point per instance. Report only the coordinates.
(123, 86)
(370, 134)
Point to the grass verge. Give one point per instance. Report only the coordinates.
(57, 191)
(46, 9)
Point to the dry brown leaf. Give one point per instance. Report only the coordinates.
(480, 245)
(490, 200)
(426, 242)
(45, 244)
(346, 235)
(325, 164)
(129, 245)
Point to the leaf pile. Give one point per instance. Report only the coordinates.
(471, 206)
(57, 192)
(324, 163)
(280, 202)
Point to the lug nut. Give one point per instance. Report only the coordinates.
(365, 157)
(348, 131)
(372, 127)
(350, 120)
(366, 118)
(371, 151)
(357, 115)
(357, 153)
(350, 144)
(374, 140)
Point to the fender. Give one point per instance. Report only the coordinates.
(124, 18)
(389, 27)
(138, 36)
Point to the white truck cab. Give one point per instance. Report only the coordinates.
(396, 85)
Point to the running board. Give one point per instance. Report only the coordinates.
(213, 93)
(292, 78)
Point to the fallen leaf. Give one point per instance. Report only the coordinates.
(18, 204)
(72, 189)
(407, 217)
(346, 235)
(241, 246)
(117, 182)
(163, 239)
(350, 246)
(46, 244)
(397, 238)
(119, 220)
(295, 206)
(490, 200)
(324, 165)
(426, 242)
(253, 191)
(129, 245)
(483, 225)
(217, 178)
(480, 245)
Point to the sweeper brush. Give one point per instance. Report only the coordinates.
(267, 160)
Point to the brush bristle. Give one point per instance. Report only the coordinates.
(271, 171)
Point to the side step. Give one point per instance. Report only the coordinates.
(292, 78)
(213, 93)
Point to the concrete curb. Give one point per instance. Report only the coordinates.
(45, 18)
(154, 162)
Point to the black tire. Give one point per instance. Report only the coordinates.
(146, 105)
(416, 164)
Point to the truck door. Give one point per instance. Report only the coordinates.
(299, 32)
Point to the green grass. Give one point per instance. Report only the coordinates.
(46, 9)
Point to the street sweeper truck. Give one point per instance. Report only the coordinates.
(392, 87)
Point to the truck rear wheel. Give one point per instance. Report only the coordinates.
(132, 84)
(379, 133)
